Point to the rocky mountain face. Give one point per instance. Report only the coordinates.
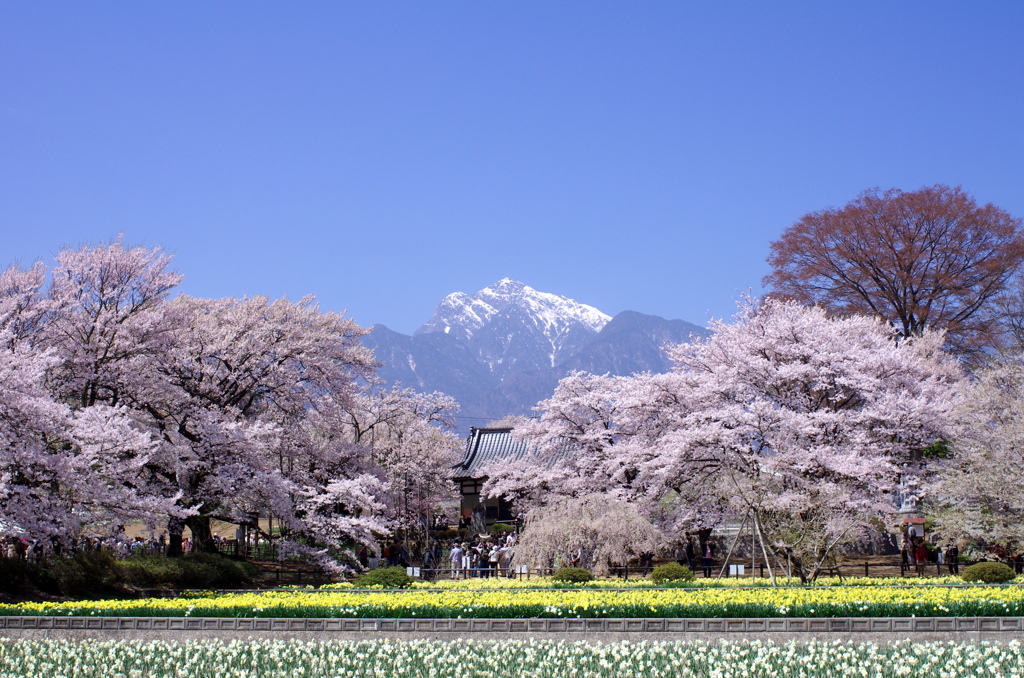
(503, 349)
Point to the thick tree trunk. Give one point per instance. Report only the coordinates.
(175, 530)
(202, 535)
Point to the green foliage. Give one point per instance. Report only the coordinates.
(228, 572)
(152, 571)
(386, 577)
(84, 573)
(498, 528)
(98, 566)
(87, 572)
(68, 577)
(989, 573)
(671, 572)
(193, 570)
(937, 450)
(16, 575)
(98, 572)
(574, 575)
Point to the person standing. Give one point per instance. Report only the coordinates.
(708, 561)
(476, 560)
(503, 560)
(920, 557)
(952, 554)
(689, 552)
(456, 560)
(493, 557)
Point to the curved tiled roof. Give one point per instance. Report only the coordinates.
(487, 445)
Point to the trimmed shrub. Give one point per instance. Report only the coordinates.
(92, 573)
(68, 577)
(498, 528)
(671, 572)
(87, 572)
(151, 571)
(15, 574)
(572, 575)
(227, 572)
(192, 570)
(989, 573)
(387, 577)
(98, 565)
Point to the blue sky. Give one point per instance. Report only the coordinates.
(631, 155)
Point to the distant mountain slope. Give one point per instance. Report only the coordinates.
(632, 342)
(503, 349)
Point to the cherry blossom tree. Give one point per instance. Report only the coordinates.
(594, 436)
(33, 430)
(579, 435)
(807, 423)
(239, 375)
(224, 388)
(60, 470)
(107, 319)
(411, 439)
(586, 419)
(595, 531)
(108, 323)
(376, 462)
(200, 402)
(980, 494)
(122, 404)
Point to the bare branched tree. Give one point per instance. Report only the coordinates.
(926, 259)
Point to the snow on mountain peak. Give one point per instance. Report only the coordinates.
(553, 315)
(460, 312)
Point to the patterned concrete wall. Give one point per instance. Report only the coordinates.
(853, 628)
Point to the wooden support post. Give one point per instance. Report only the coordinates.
(757, 531)
(735, 541)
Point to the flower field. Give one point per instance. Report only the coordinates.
(522, 659)
(728, 582)
(839, 601)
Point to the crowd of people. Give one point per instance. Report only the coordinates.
(488, 557)
(21, 549)
(480, 556)
(915, 552)
(32, 550)
(122, 546)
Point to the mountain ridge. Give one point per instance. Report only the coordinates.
(500, 351)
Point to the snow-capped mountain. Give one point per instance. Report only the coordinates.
(465, 313)
(511, 325)
(503, 349)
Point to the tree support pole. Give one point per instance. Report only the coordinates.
(760, 536)
(735, 542)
